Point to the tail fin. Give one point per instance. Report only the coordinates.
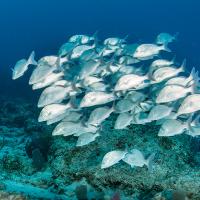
(192, 75)
(193, 80)
(165, 48)
(31, 59)
(183, 66)
(149, 162)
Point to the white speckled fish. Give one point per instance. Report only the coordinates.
(22, 66)
(112, 158)
(136, 158)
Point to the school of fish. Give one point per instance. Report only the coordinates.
(89, 80)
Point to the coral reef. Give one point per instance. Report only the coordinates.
(35, 165)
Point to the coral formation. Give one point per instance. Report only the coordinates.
(68, 169)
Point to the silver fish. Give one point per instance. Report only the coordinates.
(136, 158)
(40, 73)
(53, 110)
(67, 128)
(135, 96)
(162, 62)
(172, 127)
(57, 118)
(184, 81)
(159, 112)
(79, 50)
(52, 77)
(190, 104)
(98, 115)
(129, 81)
(96, 98)
(165, 38)
(112, 157)
(146, 51)
(82, 39)
(113, 41)
(173, 92)
(88, 68)
(124, 105)
(66, 49)
(86, 138)
(22, 66)
(52, 94)
(164, 73)
(123, 120)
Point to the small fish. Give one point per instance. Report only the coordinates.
(165, 38)
(96, 98)
(173, 92)
(112, 157)
(147, 51)
(162, 62)
(86, 138)
(172, 127)
(88, 68)
(190, 104)
(53, 110)
(135, 96)
(159, 112)
(172, 115)
(48, 60)
(79, 50)
(184, 81)
(136, 158)
(86, 129)
(40, 73)
(57, 118)
(82, 39)
(164, 73)
(124, 105)
(114, 41)
(22, 66)
(130, 81)
(72, 116)
(123, 120)
(98, 115)
(52, 77)
(52, 94)
(66, 49)
(67, 128)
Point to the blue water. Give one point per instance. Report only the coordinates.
(43, 25)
